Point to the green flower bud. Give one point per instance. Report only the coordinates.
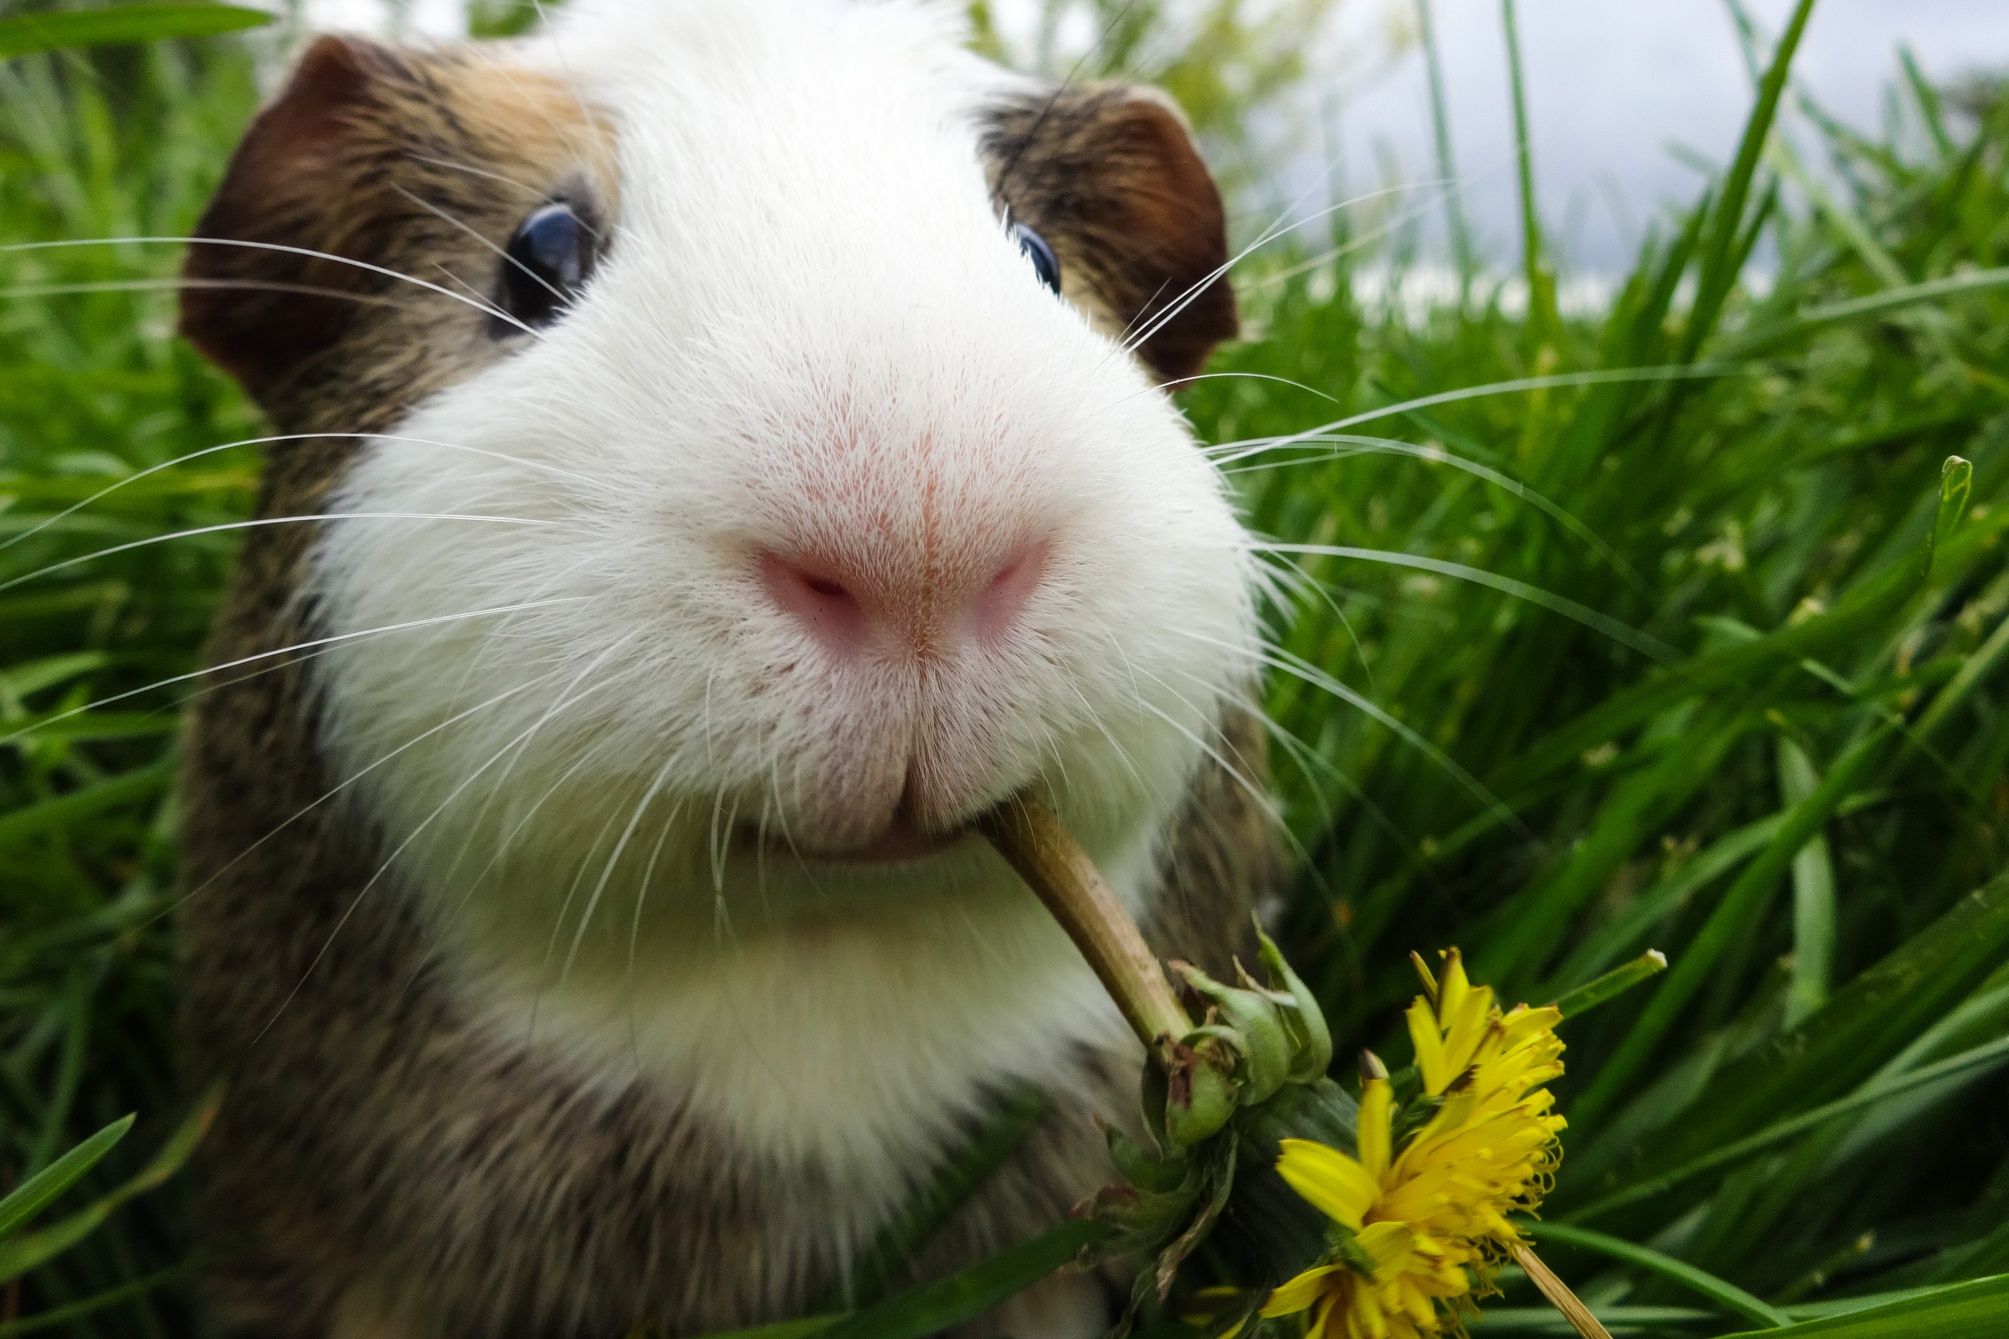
(1313, 1049)
(1200, 1092)
(1252, 1025)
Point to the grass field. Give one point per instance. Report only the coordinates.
(1670, 626)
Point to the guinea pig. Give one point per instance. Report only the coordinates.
(726, 450)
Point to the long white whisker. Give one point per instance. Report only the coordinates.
(1278, 658)
(261, 521)
(179, 284)
(276, 439)
(1322, 591)
(462, 284)
(572, 82)
(391, 859)
(1234, 376)
(563, 699)
(286, 650)
(486, 308)
(479, 236)
(348, 781)
(1513, 387)
(1357, 445)
(1270, 234)
(635, 924)
(572, 891)
(627, 833)
(721, 838)
(1579, 613)
(1264, 800)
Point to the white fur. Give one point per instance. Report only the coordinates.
(811, 322)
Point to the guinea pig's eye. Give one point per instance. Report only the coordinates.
(1044, 262)
(546, 263)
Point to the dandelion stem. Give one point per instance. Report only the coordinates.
(1038, 845)
(1559, 1294)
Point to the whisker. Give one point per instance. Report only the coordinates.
(342, 785)
(1274, 232)
(1305, 757)
(486, 308)
(1447, 186)
(280, 438)
(1322, 590)
(177, 285)
(578, 879)
(635, 923)
(1102, 727)
(1435, 455)
(528, 191)
(349, 912)
(565, 698)
(478, 236)
(1619, 632)
(262, 521)
(627, 833)
(1516, 386)
(721, 837)
(285, 650)
(1276, 228)
(1238, 376)
(458, 282)
(1300, 668)
(571, 79)
(1264, 800)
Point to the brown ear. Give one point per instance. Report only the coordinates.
(1113, 179)
(298, 181)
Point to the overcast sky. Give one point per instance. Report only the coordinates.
(1614, 84)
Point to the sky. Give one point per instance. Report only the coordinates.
(1613, 87)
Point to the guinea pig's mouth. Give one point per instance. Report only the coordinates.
(902, 841)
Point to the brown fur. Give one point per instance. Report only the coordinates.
(383, 1164)
(1110, 177)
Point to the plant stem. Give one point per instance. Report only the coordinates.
(1038, 845)
(1559, 1294)
(1543, 318)
(1614, 982)
(1447, 163)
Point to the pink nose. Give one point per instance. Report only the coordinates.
(851, 608)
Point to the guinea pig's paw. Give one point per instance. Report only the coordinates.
(1066, 1306)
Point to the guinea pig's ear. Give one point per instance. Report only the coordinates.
(1110, 175)
(301, 181)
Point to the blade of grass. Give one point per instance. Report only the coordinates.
(1723, 1293)
(25, 34)
(1717, 270)
(1813, 879)
(934, 1307)
(38, 1191)
(1648, 1187)
(1976, 1310)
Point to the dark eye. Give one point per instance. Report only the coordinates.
(1044, 262)
(546, 263)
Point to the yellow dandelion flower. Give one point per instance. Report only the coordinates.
(1426, 1223)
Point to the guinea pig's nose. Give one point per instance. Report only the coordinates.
(850, 606)
(817, 598)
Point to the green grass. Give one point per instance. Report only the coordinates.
(1686, 638)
